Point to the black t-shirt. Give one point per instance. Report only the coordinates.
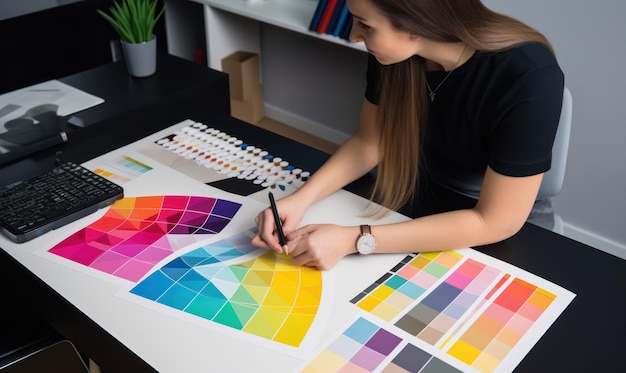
(499, 109)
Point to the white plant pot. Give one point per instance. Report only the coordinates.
(140, 57)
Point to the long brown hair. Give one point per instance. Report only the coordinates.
(402, 109)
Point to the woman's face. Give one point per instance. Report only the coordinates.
(386, 43)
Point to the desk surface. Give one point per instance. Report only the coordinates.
(588, 335)
(132, 108)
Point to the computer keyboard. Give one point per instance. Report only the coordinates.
(32, 207)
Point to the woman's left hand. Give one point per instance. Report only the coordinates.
(321, 246)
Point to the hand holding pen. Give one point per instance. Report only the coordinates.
(279, 225)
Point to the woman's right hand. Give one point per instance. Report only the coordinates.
(290, 212)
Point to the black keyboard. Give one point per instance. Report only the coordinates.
(32, 207)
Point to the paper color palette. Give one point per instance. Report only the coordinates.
(122, 169)
(405, 283)
(268, 296)
(362, 347)
(496, 332)
(448, 302)
(472, 308)
(138, 232)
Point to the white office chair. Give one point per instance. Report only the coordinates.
(553, 179)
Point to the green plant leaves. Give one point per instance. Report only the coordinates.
(133, 20)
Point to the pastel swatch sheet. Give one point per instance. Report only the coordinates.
(138, 232)
(122, 169)
(266, 296)
(454, 311)
(366, 346)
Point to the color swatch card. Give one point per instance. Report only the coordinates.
(137, 232)
(366, 346)
(122, 169)
(466, 310)
(220, 160)
(240, 290)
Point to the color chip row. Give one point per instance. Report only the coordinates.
(366, 347)
(448, 302)
(362, 347)
(122, 169)
(495, 333)
(391, 294)
(228, 155)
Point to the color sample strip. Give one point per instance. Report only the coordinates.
(439, 311)
(122, 169)
(402, 285)
(133, 164)
(496, 332)
(136, 233)
(504, 279)
(269, 296)
(362, 347)
(412, 359)
(232, 157)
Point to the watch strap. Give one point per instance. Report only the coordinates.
(366, 229)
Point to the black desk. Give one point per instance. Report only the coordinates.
(588, 336)
(133, 108)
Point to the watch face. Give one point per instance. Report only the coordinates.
(365, 244)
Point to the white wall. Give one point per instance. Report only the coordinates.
(589, 40)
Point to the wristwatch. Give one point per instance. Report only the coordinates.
(366, 243)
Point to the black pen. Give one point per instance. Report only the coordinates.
(279, 225)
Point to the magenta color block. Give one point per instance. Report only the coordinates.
(152, 255)
(109, 262)
(368, 358)
(83, 254)
(458, 280)
(133, 270)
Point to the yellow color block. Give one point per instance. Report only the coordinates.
(368, 303)
(486, 363)
(327, 361)
(464, 352)
(294, 329)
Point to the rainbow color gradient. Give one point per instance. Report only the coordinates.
(138, 232)
(268, 296)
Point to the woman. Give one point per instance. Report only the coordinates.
(460, 113)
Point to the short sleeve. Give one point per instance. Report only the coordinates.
(524, 134)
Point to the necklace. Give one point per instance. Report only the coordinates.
(433, 92)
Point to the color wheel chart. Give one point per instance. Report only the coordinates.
(266, 296)
(138, 232)
(474, 309)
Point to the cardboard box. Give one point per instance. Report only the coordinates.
(243, 74)
(250, 110)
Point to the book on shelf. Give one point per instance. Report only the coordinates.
(317, 15)
(347, 27)
(332, 17)
(342, 17)
(326, 16)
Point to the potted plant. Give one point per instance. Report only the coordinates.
(134, 21)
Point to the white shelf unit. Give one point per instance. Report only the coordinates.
(262, 26)
(241, 31)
